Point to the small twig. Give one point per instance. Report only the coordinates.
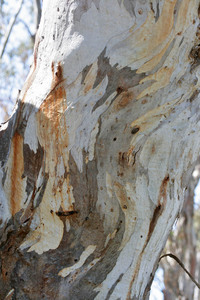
(28, 29)
(37, 13)
(182, 266)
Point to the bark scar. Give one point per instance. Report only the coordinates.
(65, 213)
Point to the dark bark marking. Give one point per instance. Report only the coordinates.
(119, 90)
(157, 212)
(135, 130)
(159, 208)
(156, 14)
(163, 189)
(195, 54)
(57, 77)
(122, 158)
(194, 96)
(59, 73)
(195, 51)
(127, 158)
(151, 6)
(66, 213)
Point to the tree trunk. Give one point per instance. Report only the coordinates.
(94, 160)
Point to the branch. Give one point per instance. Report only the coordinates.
(182, 266)
(28, 29)
(37, 11)
(10, 27)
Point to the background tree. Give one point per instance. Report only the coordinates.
(183, 243)
(94, 159)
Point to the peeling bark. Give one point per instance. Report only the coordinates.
(94, 160)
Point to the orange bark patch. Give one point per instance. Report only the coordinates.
(16, 173)
(153, 149)
(53, 137)
(163, 189)
(123, 99)
(121, 195)
(54, 105)
(88, 87)
(144, 101)
(51, 119)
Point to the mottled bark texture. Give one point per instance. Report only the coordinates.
(94, 160)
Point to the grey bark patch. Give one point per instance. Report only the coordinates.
(83, 287)
(40, 191)
(11, 238)
(24, 111)
(5, 140)
(118, 80)
(85, 193)
(85, 72)
(38, 274)
(32, 165)
(157, 12)
(130, 6)
(83, 6)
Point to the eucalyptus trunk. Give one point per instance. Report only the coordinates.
(95, 157)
